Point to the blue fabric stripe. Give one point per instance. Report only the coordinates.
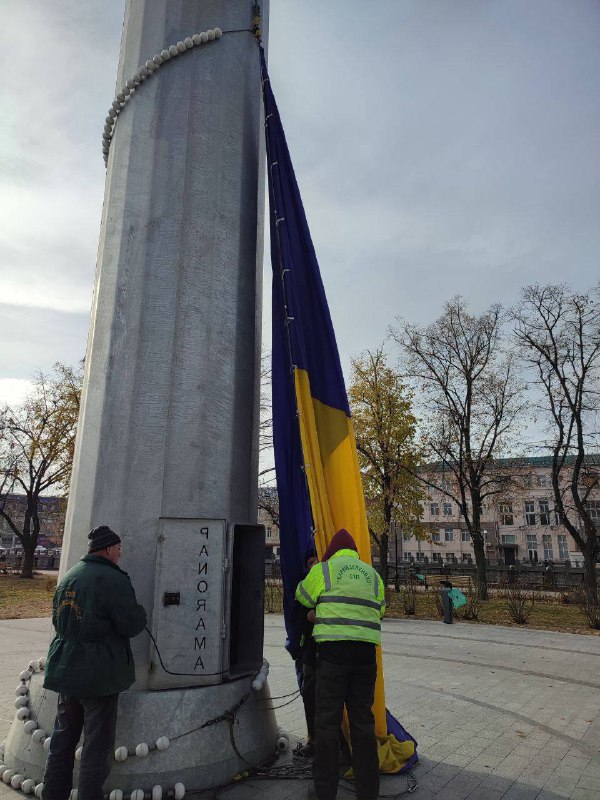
(312, 337)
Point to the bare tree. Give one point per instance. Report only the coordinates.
(388, 451)
(559, 332)
(37, 441)
(472, 400)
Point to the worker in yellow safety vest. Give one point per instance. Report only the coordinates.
(348, 599)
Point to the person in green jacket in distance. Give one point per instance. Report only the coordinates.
(348, 600)
(95, 614)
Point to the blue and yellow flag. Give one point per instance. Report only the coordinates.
(318, 477)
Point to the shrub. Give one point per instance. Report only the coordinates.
(471, 610)
(408, 597)
(591, 611)
(519, 604)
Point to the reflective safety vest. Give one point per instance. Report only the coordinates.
(348, 596)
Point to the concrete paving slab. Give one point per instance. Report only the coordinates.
(499, 713)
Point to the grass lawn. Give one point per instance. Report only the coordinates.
(547, 614)
(21, 598)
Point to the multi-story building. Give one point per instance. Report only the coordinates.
(52, 520)
(520, 524)
(268, 515)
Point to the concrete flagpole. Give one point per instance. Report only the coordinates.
(167, 447)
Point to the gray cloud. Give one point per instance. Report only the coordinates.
(439, 147)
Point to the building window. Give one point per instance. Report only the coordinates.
(593, 507)
(547, 542)
(448, 535)
(447, 509)
(434, 509)
(406, 556)
(506, 514)
(532, 546)
(465, 536)
(465, 557)
(527, 481)
(544, 512)
(269, 532)
(435, 536)
(449, 558)
(542, 480)
(509, 538)
(420, 556)
(436, 557)
(563, 548)
(529, 512)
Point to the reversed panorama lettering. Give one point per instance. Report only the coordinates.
(200, 642)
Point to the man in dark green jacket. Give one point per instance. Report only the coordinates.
(95, 613)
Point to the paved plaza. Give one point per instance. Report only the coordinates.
(498, 712)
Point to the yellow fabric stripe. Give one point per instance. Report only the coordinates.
(335, 488)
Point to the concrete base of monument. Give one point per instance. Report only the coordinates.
(199, 758)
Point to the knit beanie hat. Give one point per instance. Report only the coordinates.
(102, 537)
(341, 541)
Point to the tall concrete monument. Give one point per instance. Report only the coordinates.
(167, 448)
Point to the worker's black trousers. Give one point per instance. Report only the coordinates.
(97, 718)
(352, 685)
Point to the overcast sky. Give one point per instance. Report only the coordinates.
(440, 147)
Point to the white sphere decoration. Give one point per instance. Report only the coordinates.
(173, 50)
(42, 663)
(30, 726)
(204, 37)
(38, 791)
(137, 794)
(121, 97)
(25, 675)
(143, 72)
(130, 83)
(116, 794)
(47, 744)
(181, 47)
(121, 754)
(156, 793)
(32, 666)
(141, 750)
(282, 743)
(137, 79)
(23, 713)
(158, 59)
(28, 786)
(39, 736)
(126, 90)
(3, 769)
(179, 791)
(112, 113)
(196, 39)
(150, 65)
(211, 35)
(8, 775)
(165, 55)
(162, 743)
(188, 42)
(218, 33)
(78, 753)
(21, 690)
(266, 663)
(22, 700)
(16, 781)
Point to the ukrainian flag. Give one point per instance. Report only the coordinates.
(318, 477)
